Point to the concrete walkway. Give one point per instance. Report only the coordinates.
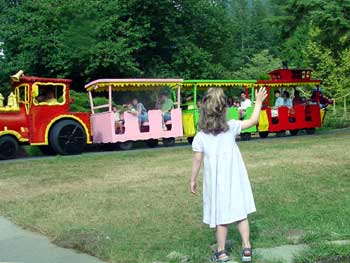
(18, 245)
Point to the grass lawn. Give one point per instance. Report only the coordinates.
(135, 206)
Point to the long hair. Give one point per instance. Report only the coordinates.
(213, 112)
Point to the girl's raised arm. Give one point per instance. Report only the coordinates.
(260, 96)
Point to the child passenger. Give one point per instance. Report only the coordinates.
(227, 194)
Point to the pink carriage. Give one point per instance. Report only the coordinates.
(103, 117)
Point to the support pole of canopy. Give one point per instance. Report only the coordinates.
(195, 95)
(110, 98)
(178, 96)
(91, 103)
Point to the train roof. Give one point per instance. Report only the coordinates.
(32, 79)
(283, 83)
(131, 84)
(218, 83)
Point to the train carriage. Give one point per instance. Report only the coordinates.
(103, 128)
(191, 115)
(305, 116)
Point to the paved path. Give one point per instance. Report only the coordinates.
(18, 245)
(284, 253)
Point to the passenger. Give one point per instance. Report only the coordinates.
(236, 103)
(190, 102)
(47, 97)
(297, 100)
(324, 100)
(245, 103)
(230, 101)
(279, 101)
(287, 101)
(118, 120)
(199, 102)
(140, 111)
(166, 105)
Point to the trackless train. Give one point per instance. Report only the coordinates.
(37, 112)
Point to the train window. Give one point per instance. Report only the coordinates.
(49, 93)
(22, 94)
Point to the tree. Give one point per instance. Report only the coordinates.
(258, 67)
(116, 38)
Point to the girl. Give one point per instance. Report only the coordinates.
(227, 194)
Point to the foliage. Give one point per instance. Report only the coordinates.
(85, 40)
(258, 66)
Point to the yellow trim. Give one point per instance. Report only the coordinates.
(16, 134)
(287, 84)
(36, 103)
(26, 96)
(88, 137)
(129, 86)
(8, 109)
(218, 84)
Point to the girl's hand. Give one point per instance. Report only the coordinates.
(193, 186)
(261, 94)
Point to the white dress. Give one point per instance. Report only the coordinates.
(227, 194)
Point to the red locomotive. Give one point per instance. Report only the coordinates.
(37, 113)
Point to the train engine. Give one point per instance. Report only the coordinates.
(37, 113)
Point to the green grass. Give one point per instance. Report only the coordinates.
(136, 205)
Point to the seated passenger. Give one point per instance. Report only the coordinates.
(278, 103)
(323, 100)
(297, 100)
(230, 101)
(166, 105)
(47, 97)
(236, 103)
(139, 110)
(118, 120)
(245, 103)
(189, 101)
(287, 101)
(199, 102)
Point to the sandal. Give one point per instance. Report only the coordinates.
(220, 256)
(247, 254)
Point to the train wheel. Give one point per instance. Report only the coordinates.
(168, 142)
(246, 136)
(190, 139)
(152, 143)
(67, 137)
(47, 150)
(293, 132)
(264, 134)
(280, 133)
(125, 146)
(310, 131)
(8, 147)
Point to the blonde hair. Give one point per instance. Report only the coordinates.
(213, 112)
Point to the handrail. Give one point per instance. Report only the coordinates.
(101, 106)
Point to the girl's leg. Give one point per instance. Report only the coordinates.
(221, 234)
(243, 228)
